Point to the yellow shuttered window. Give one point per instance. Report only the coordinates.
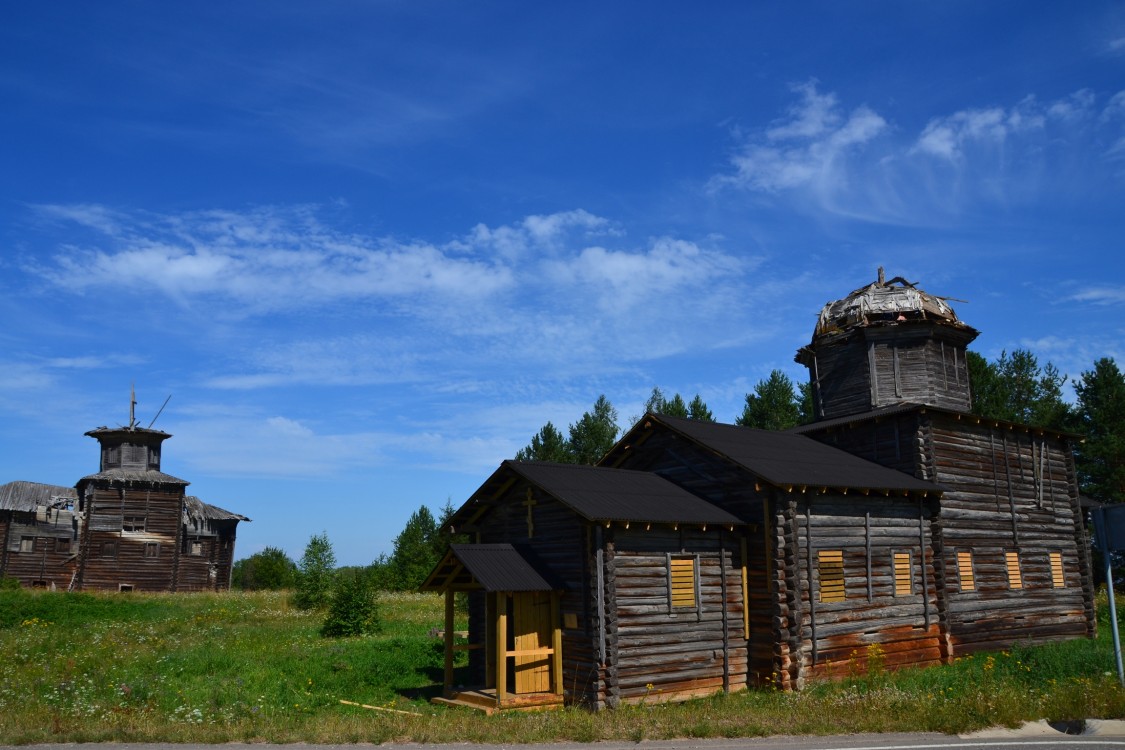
(830, 567)
(1015, 578)
(965, 571)
(681, 571)
(1057, 578)
(904, 574)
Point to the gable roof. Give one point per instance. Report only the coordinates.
(909, 406)
(784, 459)
(492, 567)
(601, 494)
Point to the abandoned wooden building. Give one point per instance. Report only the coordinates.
(702, 557)
(129, 527)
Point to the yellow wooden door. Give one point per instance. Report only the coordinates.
(531, 612)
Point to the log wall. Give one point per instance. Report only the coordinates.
(873, 624)
(1008, 489)
(1011, 489)
(661, 652)
(116, 553)
(866, 368)
(50, 563)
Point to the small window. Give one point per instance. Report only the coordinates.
(965, 571)
(830, 566)
(27, 544)
(904, 574)
(133, 523)
(40, 584)
(152, 549)
(196, 548)
(1058, 580)
(125, 587)
(109, 549)
(1015, 578)
(62, 544)
(682, 582)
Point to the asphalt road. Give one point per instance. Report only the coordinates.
(1040, 736)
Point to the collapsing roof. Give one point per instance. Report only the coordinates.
(881, 301)
(27, 496)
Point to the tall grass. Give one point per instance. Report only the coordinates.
(248, 667)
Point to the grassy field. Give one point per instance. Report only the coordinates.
(248, 667)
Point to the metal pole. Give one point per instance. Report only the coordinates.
(1103, 544)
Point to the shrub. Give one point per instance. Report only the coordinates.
(270, 569)
(354, 609)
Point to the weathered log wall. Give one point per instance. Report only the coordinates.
(658, 651)
(1011, 490)
(867, 368)
(39, 547)
(1008, 489)
(131, 539)
(873, 621)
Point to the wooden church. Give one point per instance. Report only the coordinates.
(701, 557)
(129, 527)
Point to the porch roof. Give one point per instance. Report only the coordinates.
(491, 567)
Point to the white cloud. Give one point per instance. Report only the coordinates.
(265, 259)
(810, 147)
(831, 162)
(946, 137)
(1101, 295)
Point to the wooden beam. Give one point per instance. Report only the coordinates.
(490, 603)
(501, 649)
(556, 645)
(449, 636)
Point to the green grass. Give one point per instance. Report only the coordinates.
(248, 667)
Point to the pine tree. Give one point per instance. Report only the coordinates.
(772, 405)
(593, 435)
(1100, 458)
(415, 550)
(657, 403)
(315, 573)
(1016, 389)
(697, 409)
(547, 445)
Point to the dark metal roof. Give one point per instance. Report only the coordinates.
(500, 567)
(882, 411)
(134, 475)
(906, 406)
(26, 496)
(787, 459)
(600, 494)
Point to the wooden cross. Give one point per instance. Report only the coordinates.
(530, 503)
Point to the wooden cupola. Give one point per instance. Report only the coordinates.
(130, 448)
(884, 344)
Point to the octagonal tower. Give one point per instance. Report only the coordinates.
(888, 343)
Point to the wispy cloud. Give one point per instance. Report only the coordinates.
(809, 147)
(856, 164)
(567, 290)
(1101, 295)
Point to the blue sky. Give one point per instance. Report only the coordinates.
(370, 248)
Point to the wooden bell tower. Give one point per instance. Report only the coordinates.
(888, 343)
